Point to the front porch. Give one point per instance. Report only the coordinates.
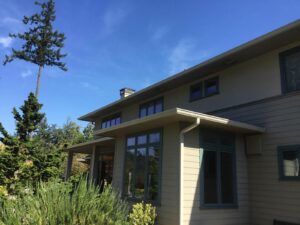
(98, 155)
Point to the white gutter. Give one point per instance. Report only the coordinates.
(181, 161)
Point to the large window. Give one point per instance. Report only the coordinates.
(290, 70)
(218, 178)
(204, 89)
(111, 121)
(289, 162)
(143, 166)
(151, 107)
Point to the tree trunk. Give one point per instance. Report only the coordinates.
(38, 82)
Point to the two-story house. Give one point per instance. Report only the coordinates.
(216, 144)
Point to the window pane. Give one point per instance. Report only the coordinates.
(113, 122)
(103, 125)
(158, 106)
(211, 87)
(142, 139)
(292, 71)
(143, 112)
(227, 191)
(210, 177)
(153, 173)
(118, 120)
(291, 164)
(196, 93)
(129, 168)
(150, 109)
(130, 141)
(154, 137)
(140, 173)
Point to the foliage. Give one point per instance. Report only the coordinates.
(142, 214)
(56, 203)
(42, 44)
(35, 152)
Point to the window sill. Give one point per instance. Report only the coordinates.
(289, 179)
(204, 97)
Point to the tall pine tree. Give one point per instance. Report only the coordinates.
(42, 44)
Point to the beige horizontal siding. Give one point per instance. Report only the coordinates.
(271, 198)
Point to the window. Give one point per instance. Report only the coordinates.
(111, 121)
(289, 162)
(151, 107)
(204, 89)
(290, 70)
(142, 167)
(218, 178)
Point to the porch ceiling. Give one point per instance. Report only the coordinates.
(178, 115)
(87, 147)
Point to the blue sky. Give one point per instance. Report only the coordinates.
(129, 43)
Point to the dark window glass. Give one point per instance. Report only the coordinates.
(151, 107)
(142, 139)
(153, 173)
(130, 141)
(210, 177)
(128, 179)
(158, 106)
(290, 66)
(218, 169)
(291, 163)
(196, 92)
(154, 137)
(211, 87)
(142, 180)
(227, 187)
(111, 121)
(140, 173)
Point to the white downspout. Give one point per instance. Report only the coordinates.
(181, 172)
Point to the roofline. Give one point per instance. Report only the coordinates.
(183, 113)
(220, 57)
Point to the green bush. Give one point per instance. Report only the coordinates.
(58, 203)
(142, 214)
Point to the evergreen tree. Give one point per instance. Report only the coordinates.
(42, 44)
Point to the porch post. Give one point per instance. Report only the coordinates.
(93, 163)
(69, 165)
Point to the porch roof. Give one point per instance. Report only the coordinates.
(86, 147)
(178, 115)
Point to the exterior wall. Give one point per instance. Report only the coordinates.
(270, 197)
(252, 80)
(168, 210)
(192, 163)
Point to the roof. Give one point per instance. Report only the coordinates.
(178, 115)
(268, 42)
(86, 147)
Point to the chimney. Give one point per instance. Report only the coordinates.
(124, 92)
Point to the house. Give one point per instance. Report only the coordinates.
(216, 144)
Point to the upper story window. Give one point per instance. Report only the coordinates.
(152, 107)
(290, 70)
(218, 175)
(142, 170)
(204, 89)
(111, 121)
(289, 162)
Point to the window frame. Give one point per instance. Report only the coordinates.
(110, 118)
(135, 146)
(282, 55)
(147, 104)
(280, 151)
(202, 85)
(218, 148)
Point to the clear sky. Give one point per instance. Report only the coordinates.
(127, 43)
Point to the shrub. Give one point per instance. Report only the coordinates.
(142, 214)
(57, 203)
